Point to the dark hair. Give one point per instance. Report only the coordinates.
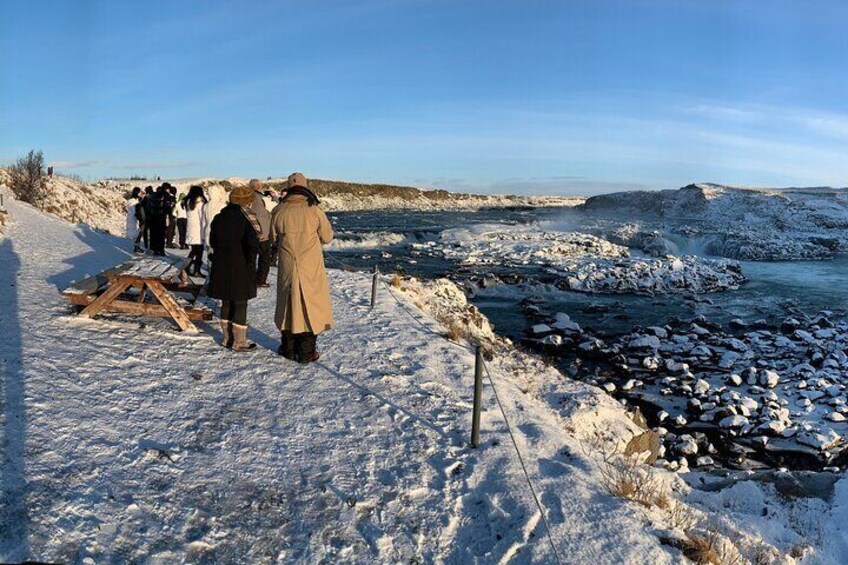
(172, 189)
(136, 192)
(148, 189)
(195, 193)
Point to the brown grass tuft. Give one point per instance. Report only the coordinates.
(454, 333)
(701, 549)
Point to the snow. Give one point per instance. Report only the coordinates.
(744, 223)
(127, 441)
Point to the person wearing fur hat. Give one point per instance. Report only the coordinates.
(234, 239)
(304, 309)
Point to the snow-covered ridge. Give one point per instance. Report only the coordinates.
(102, 204)
(743, 223)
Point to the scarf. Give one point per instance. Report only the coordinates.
(251, 217)
(311, 198)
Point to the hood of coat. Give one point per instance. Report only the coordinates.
(217, 196)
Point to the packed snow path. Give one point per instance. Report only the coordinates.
(124, 440)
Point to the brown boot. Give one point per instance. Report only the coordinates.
(226, 333)
(240, 342)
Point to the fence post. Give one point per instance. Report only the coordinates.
(2, 206)
(374, 281)
(478, 396)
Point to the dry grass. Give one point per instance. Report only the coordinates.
(395, 281)
(765, 555)
(625, 476)
(454, 333)
(681, 516)
(701, 549)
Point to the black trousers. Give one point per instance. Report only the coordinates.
(235, 311)
(299, 346)
(143, 232)
(182, 224)
(171, 230)
(264, 261)
(157, 235)
(196, 257)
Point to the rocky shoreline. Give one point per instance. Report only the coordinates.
(747, 395)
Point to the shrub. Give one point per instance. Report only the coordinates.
(625, 476)
(27, 179)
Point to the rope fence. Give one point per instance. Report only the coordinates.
(480, 367)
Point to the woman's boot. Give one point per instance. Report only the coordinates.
(226, 333)
(286, 348)
(240, 342)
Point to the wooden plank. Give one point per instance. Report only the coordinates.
(135, 265)
(94, 283)
(152, 310)
(177, 312)
(118, 286)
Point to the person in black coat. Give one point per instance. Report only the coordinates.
(145, 228)
(234, 242)
(156, 214)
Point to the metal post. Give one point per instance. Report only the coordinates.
(478, 397)
(374, 282)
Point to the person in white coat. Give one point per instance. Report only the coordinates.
(218, 200)
(133, 220)
(194, 205)
(180, 215)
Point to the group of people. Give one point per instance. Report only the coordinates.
(243, 231)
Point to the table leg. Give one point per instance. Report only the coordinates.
(173, 307)
(118, 286)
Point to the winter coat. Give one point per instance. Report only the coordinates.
(179, 211)
(217, 200)
(194, 222)
(303, 294)
(170, 203)
(234, 248)
(132, 220)
(156, 206)
(262, 214)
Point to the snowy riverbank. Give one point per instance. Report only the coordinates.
(102, 204)
(124, 440)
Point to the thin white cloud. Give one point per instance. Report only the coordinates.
(801, 120)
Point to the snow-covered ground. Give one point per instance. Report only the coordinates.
(743, 223)
(124, 440)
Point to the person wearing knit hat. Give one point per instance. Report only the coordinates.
(234, 239)
(299, 228)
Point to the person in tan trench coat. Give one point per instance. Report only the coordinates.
(299, 228)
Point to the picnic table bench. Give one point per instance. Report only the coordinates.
(112, 291)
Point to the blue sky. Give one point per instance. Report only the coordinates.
(524, 96)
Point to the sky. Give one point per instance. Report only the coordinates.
(558, 97)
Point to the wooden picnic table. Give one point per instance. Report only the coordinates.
(112, 291)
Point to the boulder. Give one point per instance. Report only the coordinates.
(646, 442)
